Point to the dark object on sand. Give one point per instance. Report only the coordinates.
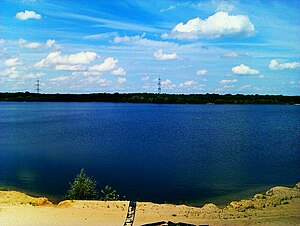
(169, 223)
(130, 214)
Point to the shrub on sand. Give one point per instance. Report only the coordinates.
(109, 194)
(83, 188)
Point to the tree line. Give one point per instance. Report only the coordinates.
(152, 98)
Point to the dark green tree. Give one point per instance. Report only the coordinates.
(109, 194)
(83, 188)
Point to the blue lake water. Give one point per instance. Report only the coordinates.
(149, 152)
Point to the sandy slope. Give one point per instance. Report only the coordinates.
(279, 206)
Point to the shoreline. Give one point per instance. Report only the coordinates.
(220, 201)
(277, 206)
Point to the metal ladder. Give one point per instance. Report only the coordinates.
(130, 214)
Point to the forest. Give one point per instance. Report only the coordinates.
(152, 98)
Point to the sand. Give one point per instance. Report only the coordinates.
(278, 206)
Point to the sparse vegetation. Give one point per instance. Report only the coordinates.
(83, 188)
(4, 189)
(109, 194)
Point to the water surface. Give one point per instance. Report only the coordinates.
(149, 152)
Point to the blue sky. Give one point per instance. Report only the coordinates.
(203, 46)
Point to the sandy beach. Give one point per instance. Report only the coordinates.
(278, 206)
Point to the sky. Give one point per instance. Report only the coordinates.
(201, 46)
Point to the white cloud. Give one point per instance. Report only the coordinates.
(202, 72)
(127, 39)
(223, 5)
(178, 5)
(145, 78)
(86, 73)
(59, 79)
(55, 58)
(231, 54)
(68, 67)
(292, 82)
(2, 41)
(227, 81)
(119, 71)
(28, 45)
(225, 87)
(244, 70)
(10, 72)
(171, 7)
(167, 84)
(50, 43)
(221, 24)
(108, 64)
(245, 87)
(33, 75)
(101, 81)
(274, 65)
(100, 36)
(121, 80)
(28, 15)
(188, 83)
(32, 45)
(12, 62)
(159, 55)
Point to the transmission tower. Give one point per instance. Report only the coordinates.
(159, 86)
(38, 84)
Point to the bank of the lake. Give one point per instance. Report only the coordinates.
(277, 206)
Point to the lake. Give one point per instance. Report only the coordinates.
(150, 152)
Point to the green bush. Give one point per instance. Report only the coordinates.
(109, 194)
(4, 189)
(83, 188)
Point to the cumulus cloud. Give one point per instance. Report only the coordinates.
(221, 24)
(12, 62)
(167, 84)
(10, 72)
(28, 15)
(188, 83)
(127, 39)
(160, 55)
(202, 72)
(28, 45)
(56, 58)
(119, 71)
(121, 80)
(244, 70)
(32, 45)
(274, 65)
(228, 81)
(109, 64)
